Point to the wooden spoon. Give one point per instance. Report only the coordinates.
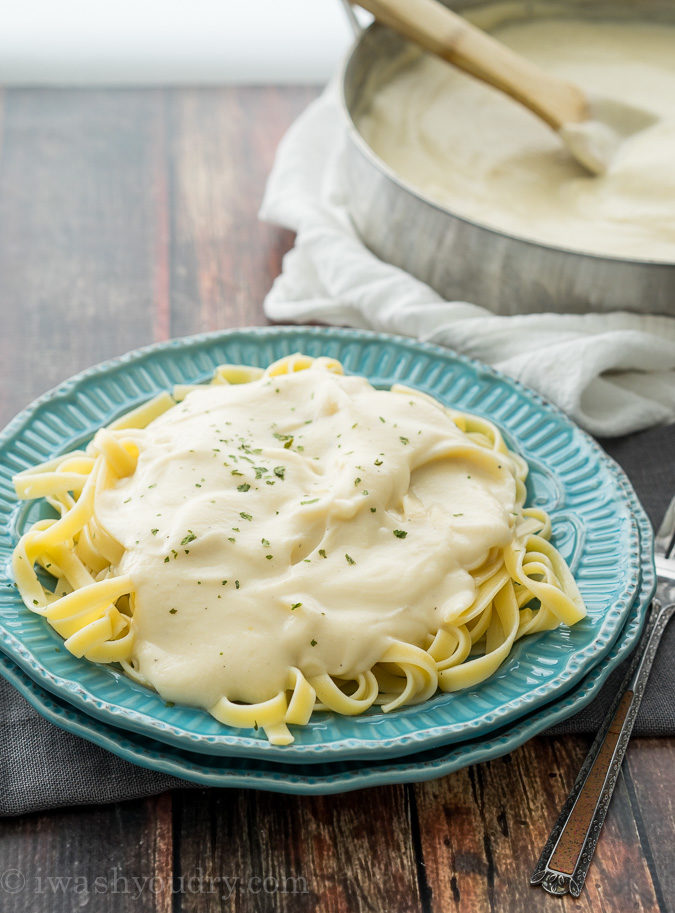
(591, 132)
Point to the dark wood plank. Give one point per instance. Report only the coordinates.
(649, 771)
(482, 830)
(336, 854)
(223, 258)
(77, 233)
(111, 859)
(128, 216)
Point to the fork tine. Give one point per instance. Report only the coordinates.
(665, 537)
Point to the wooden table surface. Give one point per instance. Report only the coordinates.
(130, 216)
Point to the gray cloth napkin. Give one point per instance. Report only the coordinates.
(42, 766)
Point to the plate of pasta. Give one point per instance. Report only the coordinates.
(308, 544)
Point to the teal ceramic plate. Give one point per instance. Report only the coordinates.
(593, 519)
(325, 778)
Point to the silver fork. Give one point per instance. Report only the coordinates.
(567, 855)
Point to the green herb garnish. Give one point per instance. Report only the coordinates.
(286, 438)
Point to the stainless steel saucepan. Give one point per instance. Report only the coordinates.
(465, 260)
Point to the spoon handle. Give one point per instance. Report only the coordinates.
(436, 28)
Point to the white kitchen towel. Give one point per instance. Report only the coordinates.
(612, 373)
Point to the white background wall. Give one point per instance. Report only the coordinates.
(170, 41)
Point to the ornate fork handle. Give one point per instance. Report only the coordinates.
(564, 862)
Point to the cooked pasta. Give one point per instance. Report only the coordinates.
(284, 541)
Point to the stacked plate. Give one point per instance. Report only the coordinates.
(598, 525)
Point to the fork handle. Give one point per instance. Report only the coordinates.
(564, 862)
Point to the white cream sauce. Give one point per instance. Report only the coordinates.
(360, 464)
(476, 152)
